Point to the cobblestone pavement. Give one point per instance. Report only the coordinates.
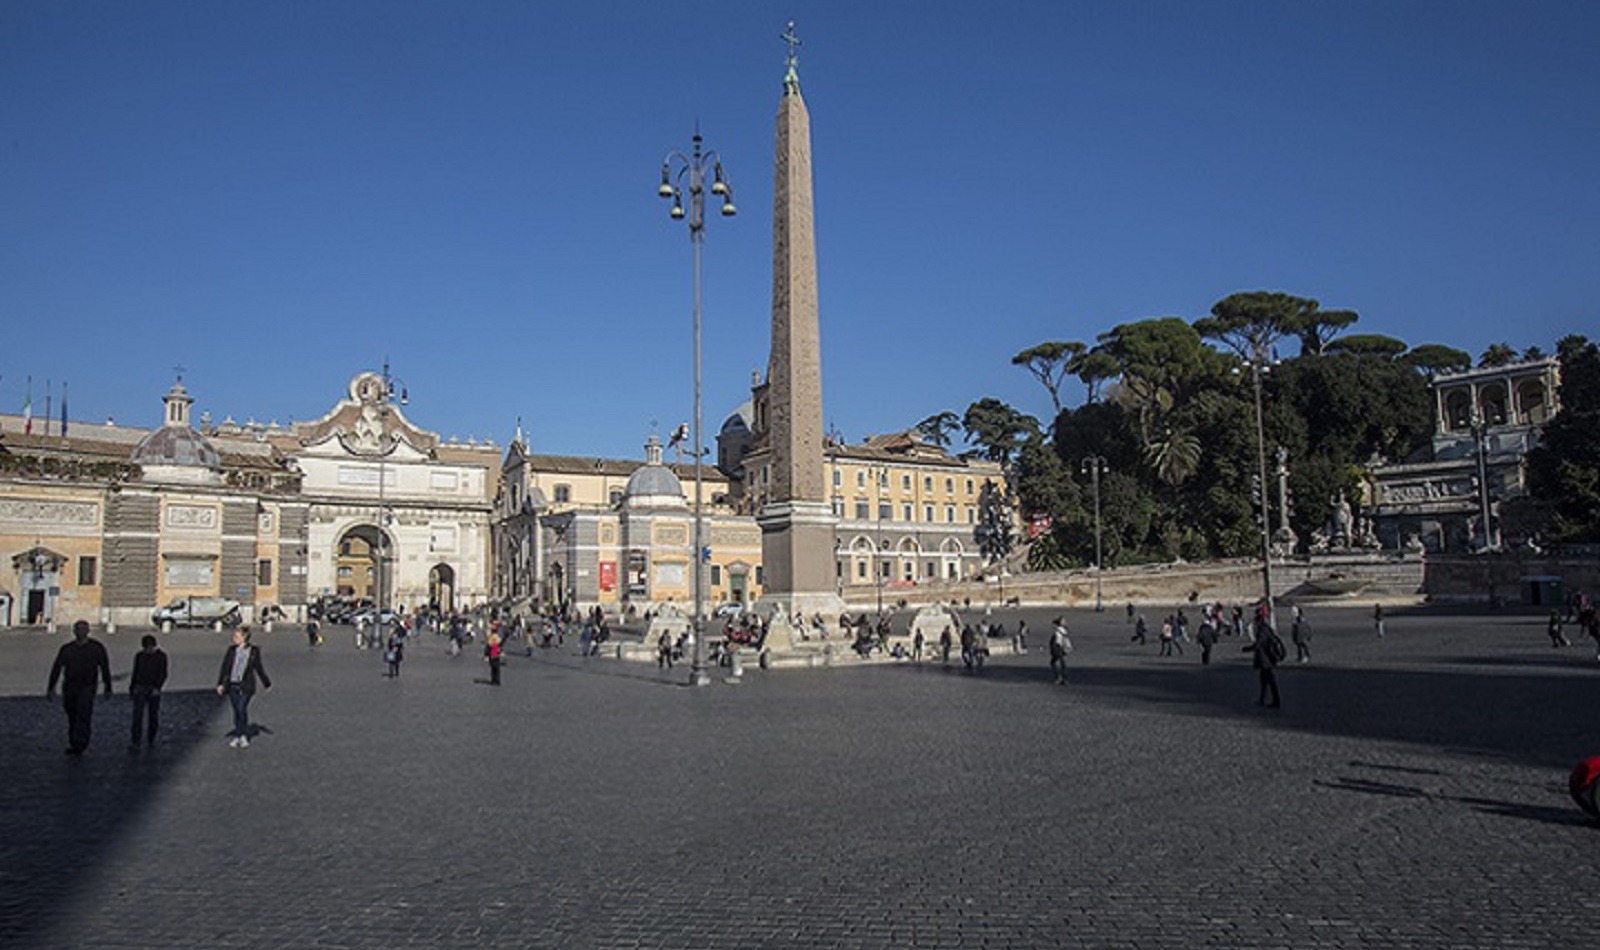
(1409, 794)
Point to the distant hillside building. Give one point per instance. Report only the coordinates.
(1435, 502)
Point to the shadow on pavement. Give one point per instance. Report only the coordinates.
(1463, 710)
(60, 816)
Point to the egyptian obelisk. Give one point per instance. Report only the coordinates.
(797, 522)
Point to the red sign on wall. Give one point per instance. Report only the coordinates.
(608, 575)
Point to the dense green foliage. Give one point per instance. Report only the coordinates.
(1172, 410)
(1564, 471)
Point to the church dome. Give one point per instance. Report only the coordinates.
(175, 452)
(653, 485)
(739, 422)
(170, 445)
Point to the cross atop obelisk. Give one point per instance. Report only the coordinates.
(797, 522)
(791, 80)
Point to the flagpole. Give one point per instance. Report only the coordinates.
(47, 407)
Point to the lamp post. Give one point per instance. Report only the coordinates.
(393, 390)
(1095, 466)
(1258, 367)
(675, 168)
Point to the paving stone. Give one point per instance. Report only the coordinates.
(1409, 794)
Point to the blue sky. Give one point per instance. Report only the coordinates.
(278, 195)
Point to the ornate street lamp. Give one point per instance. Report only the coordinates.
(679, 171)
(1095, 466)
(1259, 366)
(393, 391)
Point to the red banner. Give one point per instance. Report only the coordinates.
(608, 575)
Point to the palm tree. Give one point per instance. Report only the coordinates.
(1175, 457)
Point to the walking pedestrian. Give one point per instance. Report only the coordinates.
(1377, 619)
(1300, 633)
(78, 665)
(313, 634)
(1207, 637)
(241, 669)
(1140, 630)
(491, 653)
(1169, 639)
(1268, 651)
(149, 675)
(916, 647)
(945, 643)
(1060, 646)
(1557, 637)
(664, 651)
(394, 652)
(1020, 641)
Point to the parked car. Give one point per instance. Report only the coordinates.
(367, 616)
(198, 612)
(728, 610)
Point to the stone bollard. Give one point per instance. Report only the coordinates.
(735, 669)
(267, 626)
(216, 626)
(166, 626)
(50, 627)
(111, 628)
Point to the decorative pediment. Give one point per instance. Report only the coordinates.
(366, 423)
(40, 559)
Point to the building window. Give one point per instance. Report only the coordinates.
(927, 483)
(861, 479)
(905, 482)
(344, 548)
(905, 512)
(563, 494)
(861, 570)
(949, 486)
(883, 478)
(88, 568)
(838, 478)
(264, 573)
(950, 514)
(885, 511)
(838, 507)
(346, 571)
(862, 511)
(615, 497)
(716, 574)
(760, 575)
(927, 513)
(885, 569)
(969, 486)
(972, 515)
(933, 570)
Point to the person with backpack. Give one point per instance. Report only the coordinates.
(1268, 651)
(1060, 646)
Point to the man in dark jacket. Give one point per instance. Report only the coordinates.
(82, 661)
(149, 675)
(1268, 651)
